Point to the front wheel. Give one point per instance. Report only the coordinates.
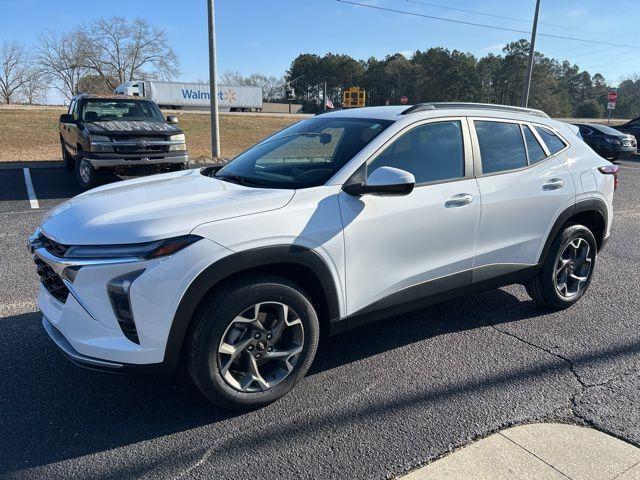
(253, 342)
(567, 271)
(86, 175)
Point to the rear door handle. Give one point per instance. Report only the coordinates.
(553, 184)
(459, 200)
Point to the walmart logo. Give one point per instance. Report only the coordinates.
(227, 95)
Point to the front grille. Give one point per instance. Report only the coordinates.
(51, 280)
(54, 248)
(144, 145)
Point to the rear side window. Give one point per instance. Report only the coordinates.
(553, 142)
(501, 146)
(431, 152)
(535, 151)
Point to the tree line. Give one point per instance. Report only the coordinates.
(93, 58)
(437, 74)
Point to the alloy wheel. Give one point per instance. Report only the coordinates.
(85, 170)
(573, 268)
(261, 347)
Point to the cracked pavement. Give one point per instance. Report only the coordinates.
(378, 401)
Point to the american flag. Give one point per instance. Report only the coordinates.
(328, 103)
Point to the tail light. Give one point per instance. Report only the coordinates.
(611, 170)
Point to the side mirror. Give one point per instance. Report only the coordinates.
(66, 118)
(172, 119)
(384, 181)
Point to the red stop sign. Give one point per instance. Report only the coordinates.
(404, 99)
(613, 96)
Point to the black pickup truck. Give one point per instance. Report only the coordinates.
(123, 135)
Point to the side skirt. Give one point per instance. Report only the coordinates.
(436, 291)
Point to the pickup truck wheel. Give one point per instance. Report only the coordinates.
(86, 175)
(66, 158)
(567, 270)
(252, 342)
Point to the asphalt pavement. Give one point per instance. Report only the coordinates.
(379, 401)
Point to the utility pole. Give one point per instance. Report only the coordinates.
(532, 48)
(324, 96)
(213, 83)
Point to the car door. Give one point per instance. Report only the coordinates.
(523, 187)
(70, 130)
(64, 127)
(401, 248)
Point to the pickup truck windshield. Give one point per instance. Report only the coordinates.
(106, 110)
(306, 154)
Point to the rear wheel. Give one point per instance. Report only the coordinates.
(253, 342)
(567, 271)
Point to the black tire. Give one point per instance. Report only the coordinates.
(542, 288)
(212, 322)
(67, 159)
(86, 175)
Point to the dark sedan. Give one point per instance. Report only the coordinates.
(608, 142)
(632, 127)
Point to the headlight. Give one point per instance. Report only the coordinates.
(140, 251)
(100, 143)
(177, 138)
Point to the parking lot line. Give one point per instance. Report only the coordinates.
(33, 200)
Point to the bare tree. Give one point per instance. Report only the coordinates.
(34, 89)
(272, 87)
(119, 50)
(13, 70)
(60, 57)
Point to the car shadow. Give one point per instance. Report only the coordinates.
(52, 410)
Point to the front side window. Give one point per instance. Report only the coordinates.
(106, 110)
(535, 151)
(501, 146)
(431, 152)
(553, 142)
(304, 155)
(72, 109)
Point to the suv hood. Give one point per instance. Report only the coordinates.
(126, 127)
(156, 207)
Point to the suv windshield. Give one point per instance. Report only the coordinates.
(106, 110)
(306, 154)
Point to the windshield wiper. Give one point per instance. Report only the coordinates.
(238, 180)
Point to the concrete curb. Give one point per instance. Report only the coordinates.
(546, 451)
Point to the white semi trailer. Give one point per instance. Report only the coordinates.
(179, 95)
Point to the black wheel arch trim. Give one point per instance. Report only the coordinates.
(236, 263)
(591, 204)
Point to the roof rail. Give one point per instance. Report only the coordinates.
(421, 107)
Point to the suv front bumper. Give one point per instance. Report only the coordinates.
(84, 325)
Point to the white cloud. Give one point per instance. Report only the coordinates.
(497, 48)
(407, 53)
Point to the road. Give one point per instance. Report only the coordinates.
(378, 401)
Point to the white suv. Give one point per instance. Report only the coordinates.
(331, 223)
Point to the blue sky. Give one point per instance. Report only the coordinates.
(265, 35)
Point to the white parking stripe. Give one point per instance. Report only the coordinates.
(30, 191)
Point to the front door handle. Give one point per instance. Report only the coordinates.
(459, 200)
(553, 184)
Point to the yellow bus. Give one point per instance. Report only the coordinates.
(353, 97)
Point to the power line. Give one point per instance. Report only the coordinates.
(493, 15)
(483, 25)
